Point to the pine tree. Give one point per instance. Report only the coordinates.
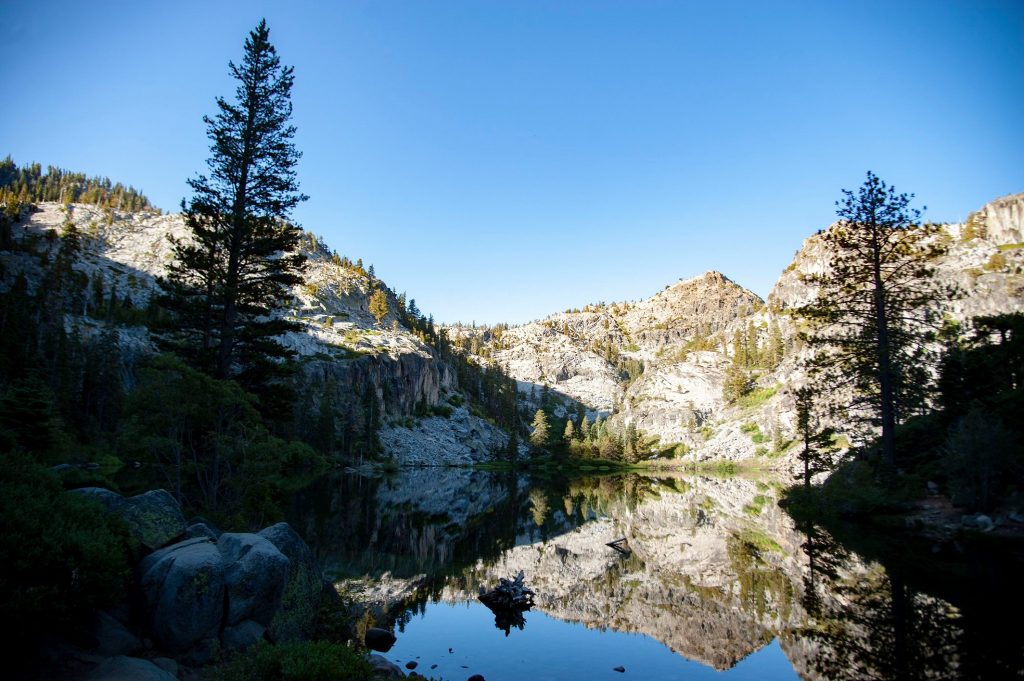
(570, 431)
(379, 305)
(241, 258)
(539, 435)
(816, 448)
(876, 303)
(776, 346)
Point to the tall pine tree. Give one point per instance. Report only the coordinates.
(877, 304)
(241, 257)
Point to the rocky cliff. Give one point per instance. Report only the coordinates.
(363, 369)
(660, 363)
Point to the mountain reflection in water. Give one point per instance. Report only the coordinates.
(716, 570)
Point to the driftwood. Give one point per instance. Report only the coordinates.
(508, 595)
(621, 546)
(508, 601)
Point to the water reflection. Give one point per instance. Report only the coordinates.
(715, 569)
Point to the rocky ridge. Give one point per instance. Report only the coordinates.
(682, 335)
(346, 356)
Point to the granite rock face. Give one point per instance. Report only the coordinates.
(683, 337)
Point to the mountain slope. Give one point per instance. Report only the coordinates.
(660, 363)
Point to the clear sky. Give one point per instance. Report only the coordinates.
(504, 160)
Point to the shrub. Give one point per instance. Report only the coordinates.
(979, 460)
(61, 554)
(304, 661)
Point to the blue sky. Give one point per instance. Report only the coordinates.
(504, 160)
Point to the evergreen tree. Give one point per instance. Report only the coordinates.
(379, 305)
(241, 258)
(876, 303)
(816, 448)
(776, 346)
(570, 431)
(539, 435)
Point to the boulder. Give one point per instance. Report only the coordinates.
(255, 576)
(129, 669)
(153, 518)
(112, 638)
(200, 520)
(201, 530)
(242, 635)
(167, 664)
(182, 589)
(380, 640)
(384, 668)
(303, 586)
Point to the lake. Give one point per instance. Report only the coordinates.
(715, 581)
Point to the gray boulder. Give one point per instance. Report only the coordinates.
(201, 530)
(243, 635)
(296, 617)
(153, 518)
(110, 500)
(183, 589)
(255, 576)
(129, 669)
(384, 668)
(112, 638)
(201, 521)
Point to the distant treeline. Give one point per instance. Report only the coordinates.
(29, 184)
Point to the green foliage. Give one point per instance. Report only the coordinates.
(875, 309)
(209, 441)
(30, 184)
(753, 430)
(817, 449)
(304, 661)
(540, 430)
(61, 554)
(242, 257)
(758, 541)
(738, 382)
(757, 397)
(983, 459)
(378, 305)
(756, 506)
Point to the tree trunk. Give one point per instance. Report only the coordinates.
(885, 380)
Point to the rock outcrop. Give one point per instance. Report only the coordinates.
(683, 336)
(347, 358)
(211, 590)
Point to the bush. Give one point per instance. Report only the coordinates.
(304, 661)
(978, 457)
(61, 554)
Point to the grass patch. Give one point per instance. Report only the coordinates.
(755, 398)
(756, 506)
(754, 431)
(1010, 247)
(759, 540)
(718, 467)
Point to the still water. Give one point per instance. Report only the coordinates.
(716, 581)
